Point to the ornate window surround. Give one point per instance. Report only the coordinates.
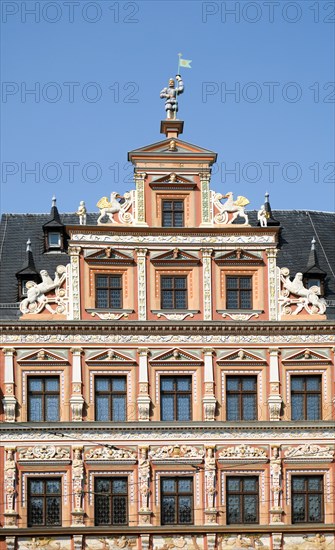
(111, 372)
(294, 471)
(130, 474)
(64, 477)
(177, 473)
(241, 372)
(239, 473)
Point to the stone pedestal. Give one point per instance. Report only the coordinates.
(10, 517)
(9, 407)
(78, 518)
(77, 405)
(210, 516)
(144, 516)
(275, 403)
(276, 514)
(209, 404)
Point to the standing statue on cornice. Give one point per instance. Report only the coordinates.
(170, 94)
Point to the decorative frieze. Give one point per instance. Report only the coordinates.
(241, 453)
(44, 453)
(111, 454)
(177, 454)
(74, 284)
(238, 238)
(309, 452)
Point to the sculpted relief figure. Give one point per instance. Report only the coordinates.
(236, 208)
(305, 298)
(36, 299)
(113, 206)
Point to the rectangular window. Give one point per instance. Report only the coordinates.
(173, 213)
(306, 397)
(108, 291)
(242, 500)
(307, 499)
(54, 240)
(241, 398)
(176, 500)
(110, 398)
(176, 398)
(173, 292)
(44, 502)
(43, 399)
(110, 501)
(239, 292)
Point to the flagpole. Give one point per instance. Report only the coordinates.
(179, 56)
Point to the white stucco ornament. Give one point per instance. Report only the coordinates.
(113, 206)
(37, 300)
(303, 298)
(262, 216)
(236, 208)
(82, 213)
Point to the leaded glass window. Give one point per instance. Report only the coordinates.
(242, 500)
(241, 398)
(173, 213)
(176, 398)
(44, 502)
(307, 499)
(108, 291)
(239, 292)
(173, 292)
(176, 500)
(111, 501)
(43, 399)
(306, 397)
(110, 398)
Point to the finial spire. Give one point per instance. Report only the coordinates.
(313, 243)
(54, 200)
(28, 249)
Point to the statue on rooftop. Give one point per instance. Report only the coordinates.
(81, 212)
(170, 94)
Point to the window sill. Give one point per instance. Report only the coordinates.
(175, 314)
(109, 314)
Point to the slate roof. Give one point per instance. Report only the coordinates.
(297, 230)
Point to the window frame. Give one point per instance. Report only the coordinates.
(108, 288)
(43, 393)
(176, 494)
(44, 496)
(110, 393)
(173, 290)
(305, 393)
(175, 393)
(173, 211)
(306, 492)
(59, 240)
(239, 290)
(111, 496)
(241, 393)
(241, 493)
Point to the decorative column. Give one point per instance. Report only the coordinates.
(145, 542)
(210, 482)
(74, 284)
(275, 400)
(144, 486)
(77, 487)
(77, 400)
(272, 283)
(209, 401)
(140, 199)
(206, 218)
(10, 514)
(276, 485)
(143, 400)
(207, 282)
(141, 282)
(9, 400)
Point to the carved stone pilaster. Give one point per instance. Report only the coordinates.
(10, 543)
(206, 207)
(78, 542)
(9, 406)
(143, 399)
(276, 510)
(210, 485)
(9, 401)
(10, 514)
(141, 283)
(76, 400)
(144, 486)
(145, 542)
(209, 401)
(273, 282)
(274, 400)
(207, 282)
(140, 199)
(77, 487)
(74, 284)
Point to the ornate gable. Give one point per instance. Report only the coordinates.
(42, 356)
(175, 257)
(109, 255)
(110, 356)
(176, 356)
(172, 181)
(306, 356)
(240, 356)
(239, 257)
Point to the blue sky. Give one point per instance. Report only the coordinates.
(96, 69)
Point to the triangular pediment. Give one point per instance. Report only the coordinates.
(110, 356)
(164, 147)
(241, 356)
(306, 355)
(109, 253)
(176, 355)
(239, 256)
(42, 356)
(175, 255)
(172, 178)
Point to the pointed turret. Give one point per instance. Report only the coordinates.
(27, 272)
(313, 274)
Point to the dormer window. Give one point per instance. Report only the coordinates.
(313, 282)
(54, 240)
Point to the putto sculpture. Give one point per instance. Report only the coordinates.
(170, 94)
(82, 213)
(304, 298)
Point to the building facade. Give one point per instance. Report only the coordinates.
(167, 369)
